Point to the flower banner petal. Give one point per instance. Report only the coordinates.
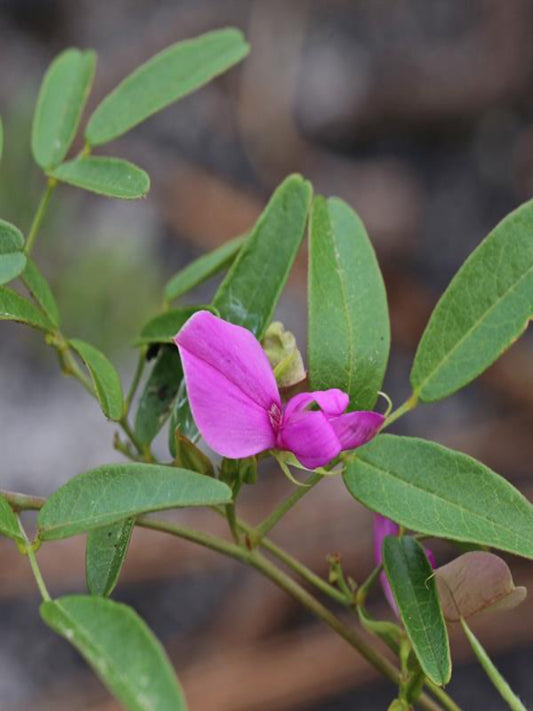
(234, 352)
(231, 422)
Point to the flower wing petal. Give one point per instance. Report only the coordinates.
(230, 421)
(332, 402)
(234, 352)
(356, 428)
(310, 437)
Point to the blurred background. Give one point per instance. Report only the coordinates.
(420, 114)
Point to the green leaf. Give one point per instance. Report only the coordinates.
(389, 632)
(168, 76)
(105, 378)
(159, 394)
(115, 492)
(40, 290)
(349, 332)
(486, 307)
(62, 97)
(203, 268)
(492, 672)
(249, 293)
(182, 420)
(434, 490)
(8, 522)
(12, 257)
(164, 327)
(112, 177)
(14, 307)
(411, 578)
(121, 649)
(104, 555)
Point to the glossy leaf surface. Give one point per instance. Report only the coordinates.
(486, 307)
(62, 97)
(349, 332)
(203, 268)
(251, 289)
(121, 649)
(434, 490)
(105, 378)
(163, 79)
(111, 177)
(115, 492)
(411, 578)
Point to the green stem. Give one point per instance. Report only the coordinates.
(442, 696)
(280, 511)
(299, 568)
(263, 565)
(407, 406)
(22, 502)
(39, 215)
(144, 451)
(29, 551)
(136, 378)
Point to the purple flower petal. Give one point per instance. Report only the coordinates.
(384, 527)
(356, 428)
(332, 402)
(231, 387)
(310, 437)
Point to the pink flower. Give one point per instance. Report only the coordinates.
(385, 527)
(237, 407)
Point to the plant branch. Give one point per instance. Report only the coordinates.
(30, 553)
(263, 565)
(39, 215)
(407, 406)
(268, 524)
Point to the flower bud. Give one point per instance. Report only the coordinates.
(283, 355)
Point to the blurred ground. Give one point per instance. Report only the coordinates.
(420, 115)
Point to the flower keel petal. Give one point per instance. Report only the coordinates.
(310, 437)
(356, 428)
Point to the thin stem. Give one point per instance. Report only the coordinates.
(280, 511)
(144, 451)
(442, 696)
(263, 565)
(407, 406)
(29, 551)
(39, 215)
(22, 502)
(141, 362)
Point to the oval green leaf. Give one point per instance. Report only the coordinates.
(120, 648)
(115, 492)
(40, 290)
(434, 490)
(14, 307)
(411, 578)
(62, 97)
(8, 522)
(112, 177)
(249, 293)
(165, 78)
(12, 257)
(349, 331)
(203, 268)
(105, 378)
(486, 307)
(163, 328)
(105, 554)
(159, 393)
